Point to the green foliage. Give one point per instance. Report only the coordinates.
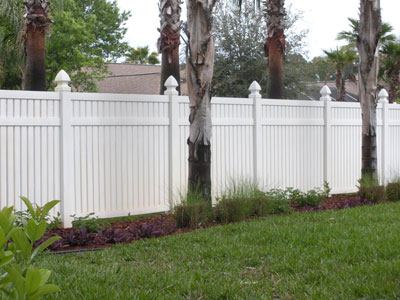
(142, 55)
(38, 214)
(240, 35)
(393, 191)
(311, 198)
(343, 59)
(90, 223)
(19, 279)
(351, 35)
(85, 34)
(54, 222)
(11, 44)
(367, 180)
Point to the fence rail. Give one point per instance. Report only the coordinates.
(116, 154)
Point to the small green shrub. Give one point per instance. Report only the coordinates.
(54, 221)
(279, 201)
(19, 279)
(374, 194)
(312, 198)
(393, 191)
(90, 223)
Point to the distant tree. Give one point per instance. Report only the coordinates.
(369, 33)
(341, 58)
(320, 69)
(391, 69)
(240, 34)
(11, 44)
(84, 36)
(168, 43)
(142, 55)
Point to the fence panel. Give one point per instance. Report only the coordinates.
(29, 147)
(119, 154)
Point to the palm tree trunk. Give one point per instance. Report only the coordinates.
(394, 84)
(340, 85)
(275, 68)
(200, 64)
(37, 22)
(35, 69)
(367, 44)
(168, 43)
(274, 11)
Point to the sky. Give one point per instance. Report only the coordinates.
(323, 19)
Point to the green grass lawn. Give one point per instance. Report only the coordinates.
(347, 254)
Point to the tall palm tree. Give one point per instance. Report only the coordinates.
(142, 55)
(391, 68)
(369, 33)
(341, 58)
(37, 22)
(275, 14)
(200, 63)
(168, 43)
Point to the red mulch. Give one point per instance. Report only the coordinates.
(156, 226)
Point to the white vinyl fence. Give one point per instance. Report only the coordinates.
(116, 154)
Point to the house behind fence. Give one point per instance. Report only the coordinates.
(115, 154)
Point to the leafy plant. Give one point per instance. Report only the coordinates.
(54, 221)
(88, 222)
(311, 198)
(279, 201)
(19, 279)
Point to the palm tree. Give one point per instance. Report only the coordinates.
(341, 58)
(142, 55)
(391, 68)
(200, 63)
(275, 45)
(351, 35)
(168, 43)
(369, 28)
(37, 22)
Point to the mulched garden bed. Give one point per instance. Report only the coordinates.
(79, 239)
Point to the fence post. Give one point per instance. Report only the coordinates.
(383, 98)
(325, 96)
(257, 128)
(171, 84)
(67, 184)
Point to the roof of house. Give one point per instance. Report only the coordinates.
(313, 91)
(126, 78)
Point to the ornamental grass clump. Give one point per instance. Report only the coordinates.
(370, 190)
(193, 210)
(393, 191)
